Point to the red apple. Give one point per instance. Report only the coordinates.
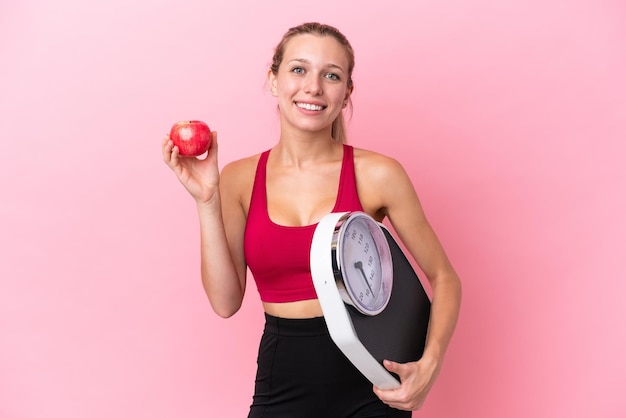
(192, 137)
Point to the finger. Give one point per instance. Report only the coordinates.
(212, 151)
(166, 148)
(174, 154)
(170, 153)
(392, 366)
(213, 145)
(396, 398)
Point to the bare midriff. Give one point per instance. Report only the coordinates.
(297, 310)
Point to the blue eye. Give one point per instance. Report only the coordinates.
(332, 76)
(298, 70)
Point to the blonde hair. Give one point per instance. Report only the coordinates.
(338, 130)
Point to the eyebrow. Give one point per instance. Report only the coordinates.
(306, 61)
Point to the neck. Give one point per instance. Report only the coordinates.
(301, 152)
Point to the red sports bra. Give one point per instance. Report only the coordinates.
(277, 255)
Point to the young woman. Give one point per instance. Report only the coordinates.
(279, 196)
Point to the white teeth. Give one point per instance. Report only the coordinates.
(309, 106)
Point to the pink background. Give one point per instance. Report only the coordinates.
(509, 117)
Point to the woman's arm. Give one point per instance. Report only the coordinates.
(401, 205)
(222, 222)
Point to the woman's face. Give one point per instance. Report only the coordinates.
(311, 83)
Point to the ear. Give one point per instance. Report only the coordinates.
(271, 79)
(348, 94)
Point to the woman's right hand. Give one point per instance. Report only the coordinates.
(199, 176)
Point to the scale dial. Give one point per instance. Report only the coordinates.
(362, 263)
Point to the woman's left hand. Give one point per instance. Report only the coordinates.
(416, 380)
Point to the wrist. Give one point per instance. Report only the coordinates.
(213, 204)
(433, 356)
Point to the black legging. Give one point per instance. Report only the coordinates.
(301, 373)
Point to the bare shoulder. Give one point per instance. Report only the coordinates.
(382, 182)
(237, 177)
(376, 167)
(242, 167)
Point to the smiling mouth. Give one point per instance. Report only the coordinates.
(309, 106)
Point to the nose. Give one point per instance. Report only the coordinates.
(313, 85)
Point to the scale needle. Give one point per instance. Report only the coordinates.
(359, 265)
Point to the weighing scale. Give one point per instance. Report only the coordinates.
(373, 302)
